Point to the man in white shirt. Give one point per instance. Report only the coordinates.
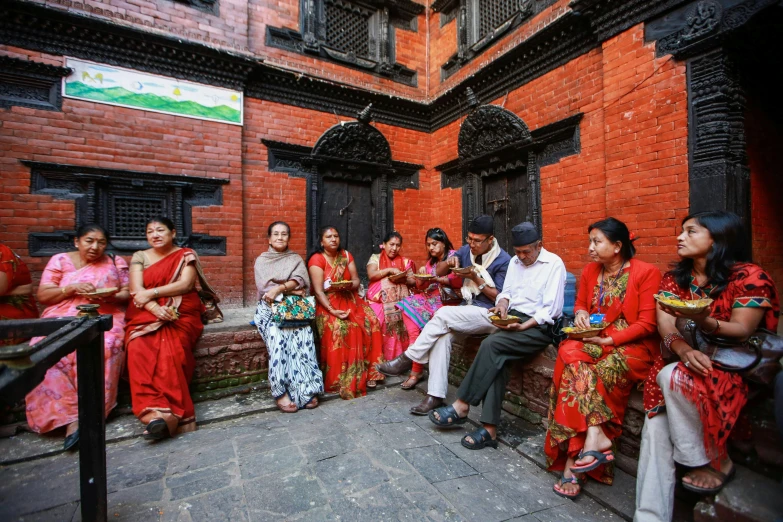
(533, 291)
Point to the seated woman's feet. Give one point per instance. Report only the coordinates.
(427, 405)
(412, 380)
(71, 436)
(706, 480)
(596, 451)
(312, 403)
(569, 485)
(159, 425)
(285, 404)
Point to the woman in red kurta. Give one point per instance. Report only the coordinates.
(16, 290)
(594, 377)
(162, 329)
(349, 331)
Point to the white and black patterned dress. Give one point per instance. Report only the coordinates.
(293, 364)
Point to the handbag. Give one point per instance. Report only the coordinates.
(294, 311)
(209, 298)
(448, 297)
(757, 359)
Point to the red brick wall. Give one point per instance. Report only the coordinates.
(765, 156)
(227, 29)
(97, 135)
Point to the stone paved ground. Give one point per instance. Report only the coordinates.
(366, 459)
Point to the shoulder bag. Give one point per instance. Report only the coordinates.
(757, 359)
(294, 311)
(448, 297)
(209, 298)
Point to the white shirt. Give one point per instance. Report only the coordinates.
(536, 290)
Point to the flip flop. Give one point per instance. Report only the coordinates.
(445, 413)
(572, 480)
(725, 478)
(157, 429)
(601, 458)
(481, 439)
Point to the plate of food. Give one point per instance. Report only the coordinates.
(462, 271)
(574, 332)
(101, 292)
(398, 278)
(341, 285)
(684, 306)
(424, 277)
(510, 319)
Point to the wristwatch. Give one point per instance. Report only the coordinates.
(481, 286)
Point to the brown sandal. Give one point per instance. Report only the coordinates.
(372, 384)
(312, 403)
(416, 377)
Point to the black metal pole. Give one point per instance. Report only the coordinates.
(92, 429)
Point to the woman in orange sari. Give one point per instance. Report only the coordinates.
(593, 377)
(162, 329)
(351, 340)
(16, 290)
(384, 294)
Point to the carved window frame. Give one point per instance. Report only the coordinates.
(470, 41)
(312, 39)
(208, 6)
(96, 193)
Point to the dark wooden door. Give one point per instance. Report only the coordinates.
(348, 207)
(506, 200)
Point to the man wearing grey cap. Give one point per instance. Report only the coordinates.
(480, 287)
(533, 292)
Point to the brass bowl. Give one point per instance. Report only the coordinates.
(575, 333)
(424, 277)
(510, 319)
(685, 306)
(462, 271)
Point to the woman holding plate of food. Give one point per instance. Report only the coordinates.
(70, 279)
(594, 375)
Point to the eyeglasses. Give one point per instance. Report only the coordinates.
(476, 241)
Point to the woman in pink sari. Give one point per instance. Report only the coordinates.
(164, 324)
(69, 280)
(418, 309)
(388, 285)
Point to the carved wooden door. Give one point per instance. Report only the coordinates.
(506, 200)
(348, 206)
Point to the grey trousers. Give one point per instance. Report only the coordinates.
(675, 435)
(486, 380)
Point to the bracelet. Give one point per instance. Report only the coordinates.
(62, 290)
(155, 291)
(670, 338)
(717, 327)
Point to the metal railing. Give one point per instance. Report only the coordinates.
(23, 367)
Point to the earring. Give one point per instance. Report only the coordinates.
(616, 251)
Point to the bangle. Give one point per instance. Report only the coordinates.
(62, 290)
(670, 338)
(717, 327)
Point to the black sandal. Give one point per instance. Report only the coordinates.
(601, 457)
(446, 414)
(481, 439)
(157, 429)
(725, 478)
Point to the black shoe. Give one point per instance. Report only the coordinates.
(71, 441)
(157, 429)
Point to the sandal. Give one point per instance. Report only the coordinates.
(157, 429)
(573, 479)
(416, 377)
(288, 408)
(448, 416)
(371, 384)
(601, 458)
(724, 477)
(481, 439)
(312, 403)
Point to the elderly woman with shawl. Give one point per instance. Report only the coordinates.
(388, 286)
(294, 376)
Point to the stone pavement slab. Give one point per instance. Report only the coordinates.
(365, 459)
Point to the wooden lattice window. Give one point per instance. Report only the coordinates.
(493, 14)
(348, 27)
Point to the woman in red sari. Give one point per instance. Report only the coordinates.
(351, 340)
(594, 377)
(16, 290)
(692, 406)
(385, 294)
(162, 329)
